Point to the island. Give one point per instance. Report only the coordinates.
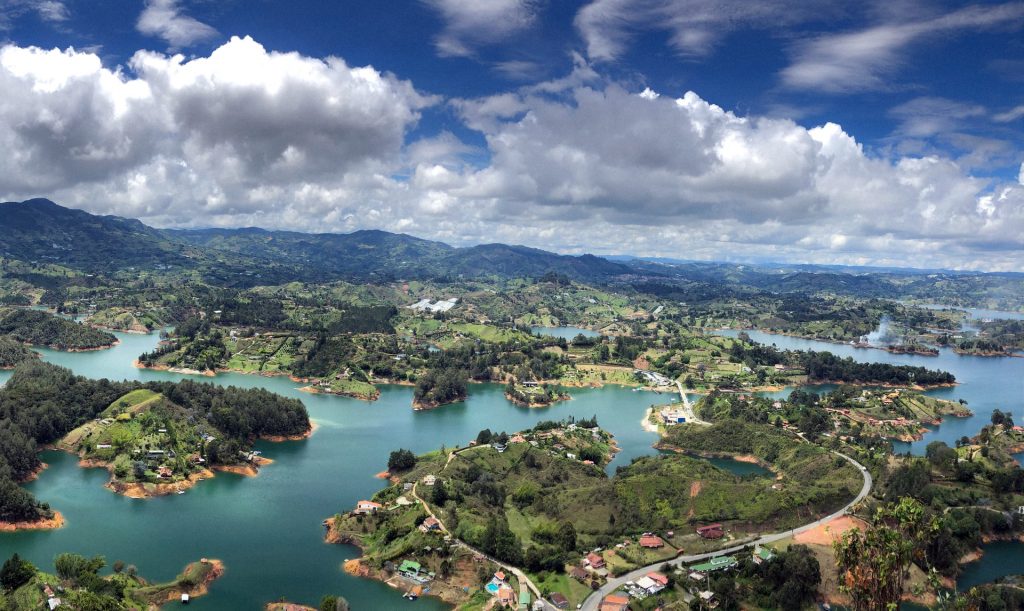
(77, 584)
(44, 329)
(155, 438)
(510, 513)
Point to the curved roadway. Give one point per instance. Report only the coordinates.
(594, 600)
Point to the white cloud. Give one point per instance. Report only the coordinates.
(927, 116)
(867, 59)
(246, 136)
(694, 26)
(1017, 112)
(52, 11)
(164, 19)
(224, 125)
(469, 23)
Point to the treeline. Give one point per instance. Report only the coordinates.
(13, 352)
(825, 366)
(44, 329)
(42, 402)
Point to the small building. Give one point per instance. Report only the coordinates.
(711, 531)
(53, 602)
(500, 576)
(431, 523)
(595, 561)
(649, 585)
(164, 473)
(579, 574)
(762, 554)
(410, 568)
(185, 599)
(367, 507)
(517, 439)
(614, 602)
(429, 480)
(651, 542)
(559, 600)
(659, 578)
(715, 564)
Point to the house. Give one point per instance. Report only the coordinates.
(407, 486)
(517, 439)
(614, 602)
(500, 576)
(185, 599)
(164, 472)
(648, 585)
(715, 564)
(762, 554)
(708, 598)
(410, 568)
(52, 603)
(595, 561)
(367, 507)
(711, 531)
(659, 578)
(430, 524)
(500, 447)
(559, 600)
(651, 542)
(673, 416)
(579, 574)
(429, 480)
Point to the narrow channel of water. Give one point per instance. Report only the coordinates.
(568, 333)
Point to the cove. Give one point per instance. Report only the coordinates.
(268, 529)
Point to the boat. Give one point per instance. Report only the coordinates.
(181, 492)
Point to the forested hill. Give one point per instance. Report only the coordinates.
(44, 329)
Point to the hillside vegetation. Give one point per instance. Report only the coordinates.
(44, 329)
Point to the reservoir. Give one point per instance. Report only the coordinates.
(268, 529)
(567, 333)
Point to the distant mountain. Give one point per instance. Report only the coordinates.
(40, 230)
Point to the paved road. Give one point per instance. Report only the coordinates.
(594, 600)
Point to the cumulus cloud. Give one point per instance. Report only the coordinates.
(231, 124)
(469, 23)
(247, 136)
(164, 19)
(702, 177)
(694, 26)
(866, 59)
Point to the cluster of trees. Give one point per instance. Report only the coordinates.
(401, 460)
(825, 366)
(13, 352)
(43, 402)
(44, 329)
(437, 387)
(789, 581)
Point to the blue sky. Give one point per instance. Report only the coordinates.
(877, 132)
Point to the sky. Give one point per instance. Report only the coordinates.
(882, 132)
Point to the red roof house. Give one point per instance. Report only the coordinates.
(595, 561)
(651, 541)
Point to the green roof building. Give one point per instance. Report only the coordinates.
(715, 564)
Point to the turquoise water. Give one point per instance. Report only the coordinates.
(1001, 558)
(492, 588)
(564, 332)
(268, 529)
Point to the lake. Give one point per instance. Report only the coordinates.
(268, 529)
(567, 333)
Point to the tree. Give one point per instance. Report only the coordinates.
(439, 495)
(873, 564)
(16, 573)
(567, 536)
(334, 603)
(401, 460)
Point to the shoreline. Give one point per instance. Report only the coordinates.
(148, 490)
(53, 523)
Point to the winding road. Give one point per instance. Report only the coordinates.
(594, 600)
